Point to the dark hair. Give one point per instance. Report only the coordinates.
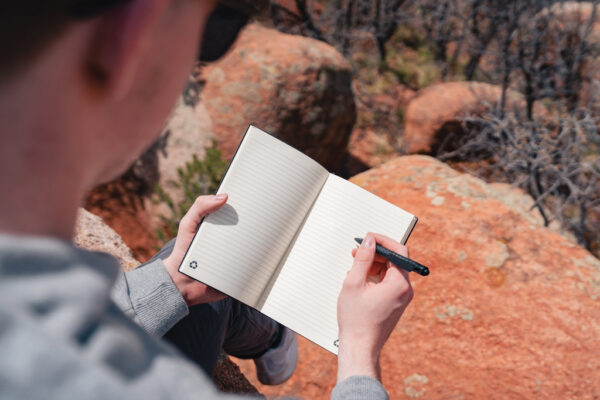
(249, 7)
(28, 26)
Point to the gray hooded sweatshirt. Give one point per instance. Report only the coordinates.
(74, 326)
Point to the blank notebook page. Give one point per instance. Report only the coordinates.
(304, 297)
(271, 187)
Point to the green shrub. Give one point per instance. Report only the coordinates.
(197, 177)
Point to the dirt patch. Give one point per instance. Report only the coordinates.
(120, 205)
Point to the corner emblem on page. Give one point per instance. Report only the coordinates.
(336, 343)
(193, 265)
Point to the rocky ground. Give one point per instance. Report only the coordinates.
(503, 314)
(509, 310)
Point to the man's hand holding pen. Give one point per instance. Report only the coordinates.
(372, 300)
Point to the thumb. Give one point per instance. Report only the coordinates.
(188, 225)
(202, 206)
(363, 259)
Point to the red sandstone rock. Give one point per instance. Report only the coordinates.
(314, 377)
(121, 207)
(575, 16)
(439, 108)
(571, 22)
(286, 12)
(510, 310)
(188, 132)
(91, 233)
(373, 143)
(368, 149)
(293, 87)
(404, 95)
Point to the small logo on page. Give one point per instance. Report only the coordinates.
(193, 265)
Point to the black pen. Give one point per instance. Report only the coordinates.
(399, 260)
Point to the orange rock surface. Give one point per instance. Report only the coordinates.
(575, 16)
(368, 149)
(438, 108)
(510, 310)
(296, 88)
(313, 379)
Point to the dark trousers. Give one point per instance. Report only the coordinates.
(238, 329)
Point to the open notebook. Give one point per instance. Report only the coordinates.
(282, 243)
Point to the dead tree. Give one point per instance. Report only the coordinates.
(339, 24)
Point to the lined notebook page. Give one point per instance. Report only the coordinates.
(304, 296)
(271, 187)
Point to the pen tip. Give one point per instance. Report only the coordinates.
(359, 240)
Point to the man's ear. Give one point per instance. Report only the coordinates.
(118, 44)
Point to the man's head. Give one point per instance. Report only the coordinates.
(103, 84)
(110, 70)
(85, 87)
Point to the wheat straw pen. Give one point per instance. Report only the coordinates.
(399, 260)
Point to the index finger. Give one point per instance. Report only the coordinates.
(396, 247)
(391, 244)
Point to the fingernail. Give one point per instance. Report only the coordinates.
(368, 242)
(220, 196)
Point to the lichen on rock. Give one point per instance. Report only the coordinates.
(296, 88)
